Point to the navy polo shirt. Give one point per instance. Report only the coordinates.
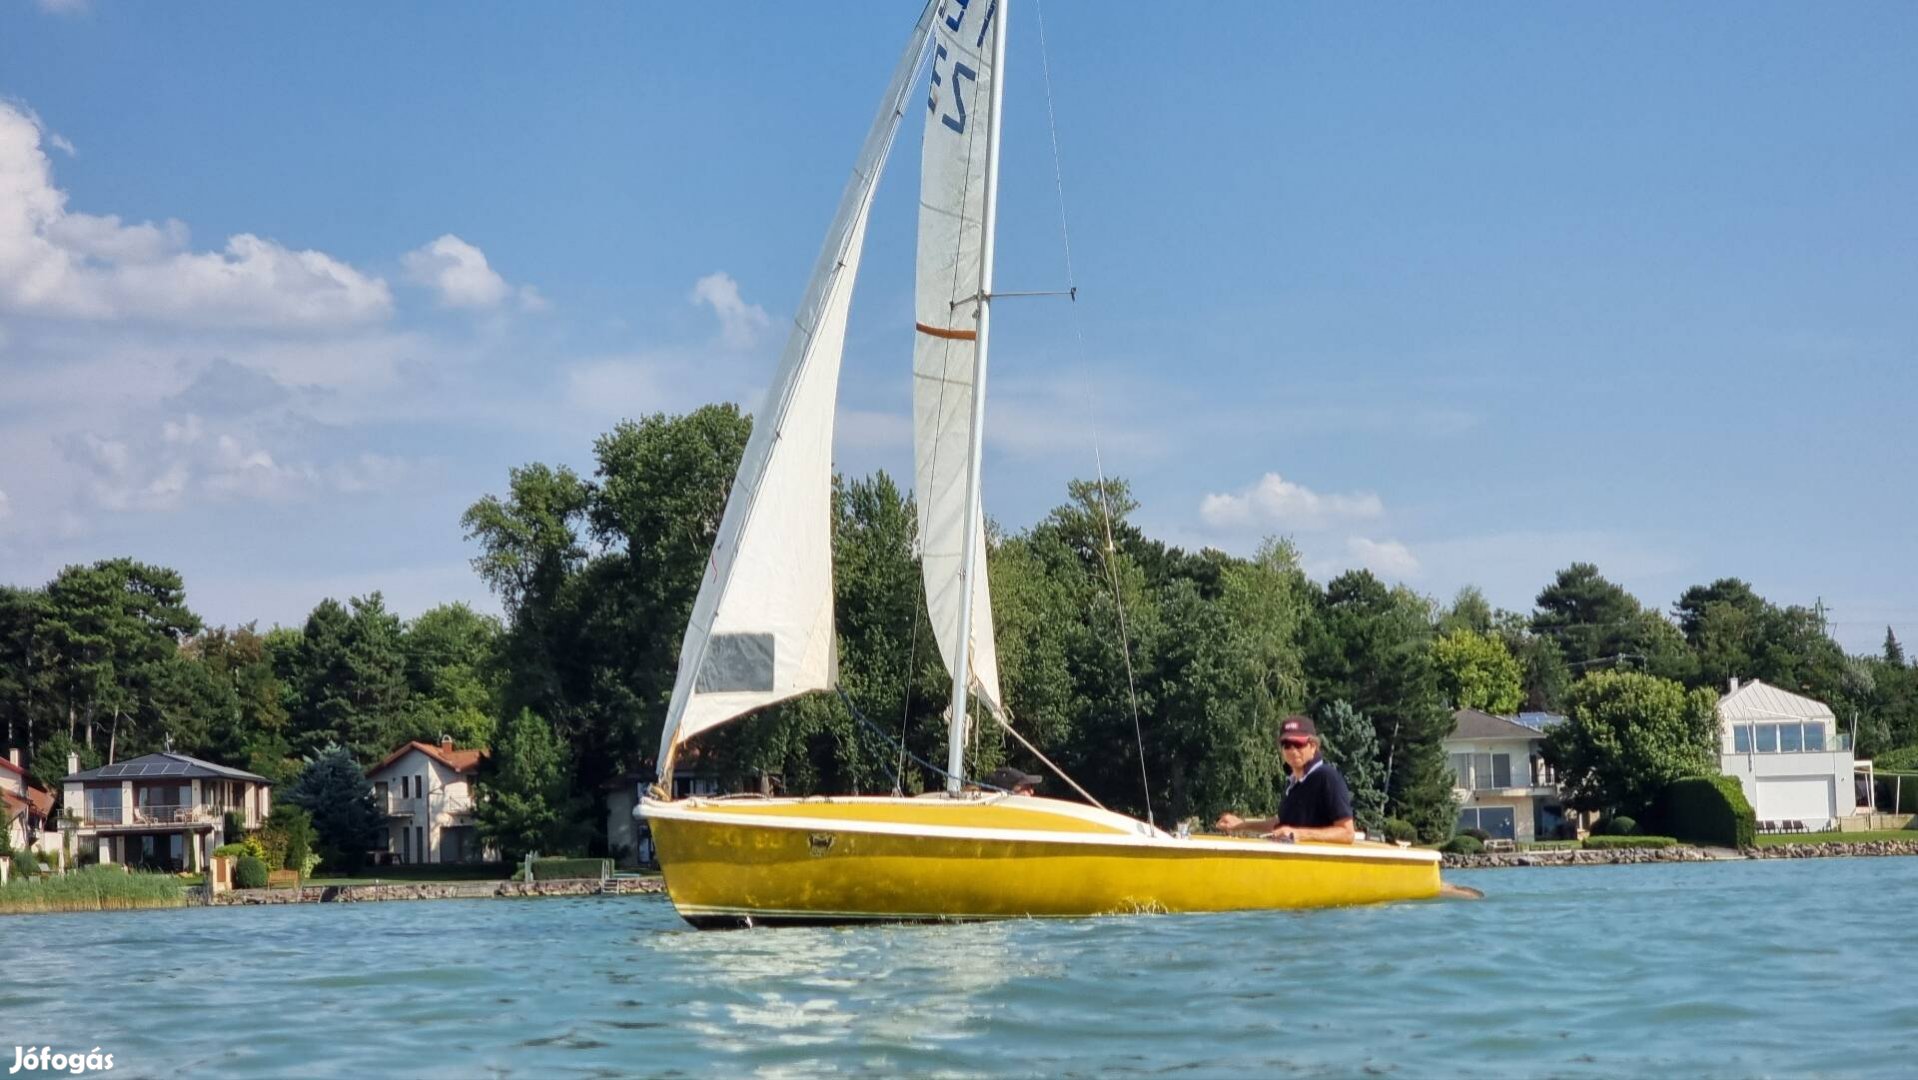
(1317, 799)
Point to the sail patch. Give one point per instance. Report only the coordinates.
(735, 663)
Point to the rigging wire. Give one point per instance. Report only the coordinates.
(905, 711)
(1110, 554)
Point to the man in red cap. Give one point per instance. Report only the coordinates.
(1316, 805)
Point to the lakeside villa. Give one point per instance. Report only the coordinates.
(161, 811)
(1791, 759)
(426, 792)
(1500, 778)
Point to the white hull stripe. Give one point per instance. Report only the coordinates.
(1161, 843)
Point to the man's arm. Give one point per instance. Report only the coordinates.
(1339, 832)
(1238, 826)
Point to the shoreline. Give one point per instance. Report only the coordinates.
(1829, 849)
(428, 890)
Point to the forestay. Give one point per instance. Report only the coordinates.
(762, 627)
(952, 209)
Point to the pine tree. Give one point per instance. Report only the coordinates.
(1352, 745)
(346, 821)
(1894, 652)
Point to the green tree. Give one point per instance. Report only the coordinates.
(1627, 735)
(452, 675)
(48, 766)
(1894, 652)
(27, 661)
(1351, 744)
(250, 727)
(1597, 625)
(524, 802)
(1370, 647)
(1469, 611)
(347, 823)
(110, 625)
(1476, 671)
(349, 678)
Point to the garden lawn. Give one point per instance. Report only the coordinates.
(1776, 839)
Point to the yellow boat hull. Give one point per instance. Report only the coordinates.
(741, 862)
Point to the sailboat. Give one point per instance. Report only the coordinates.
(761, 629)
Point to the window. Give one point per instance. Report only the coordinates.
(1499, 822)
(1462, 768)
(1502, 770)
(1768, 738)
(406, 845)
(1815, 738)
(1742, 739)
(1789, 736)
(419, 841)
(103, 804)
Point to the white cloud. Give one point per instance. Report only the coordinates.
(740, 323)
(64, 264)
(6, 506)
(459, 272)
(1275, 503)
(181, 461)
(1386, 558)
(64, 7)
(62, 143)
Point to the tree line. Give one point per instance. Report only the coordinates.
(1155, 676)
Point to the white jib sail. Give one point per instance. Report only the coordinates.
(762, 625)
(952, 206)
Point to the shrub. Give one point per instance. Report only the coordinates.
(287, 837)
(1903, 759)
(556, 869)
(1397, 829)
(250, 873)
(1463, 844)
(1707, 810)
(1622, 825)
(246, 845)
(1614, 843)
(234, 824)
(1477, 834)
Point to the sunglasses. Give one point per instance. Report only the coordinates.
(1295, 744)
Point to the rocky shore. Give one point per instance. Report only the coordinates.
(1834, 849)
(1580, 857)
(426, 890)
(1831, 849)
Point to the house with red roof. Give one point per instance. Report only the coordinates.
(426, 792)
(26, 809)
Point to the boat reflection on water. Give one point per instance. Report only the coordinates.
(795, 987)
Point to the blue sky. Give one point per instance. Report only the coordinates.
(1460, 294)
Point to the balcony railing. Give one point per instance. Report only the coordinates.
(398, 807)
(151, 814)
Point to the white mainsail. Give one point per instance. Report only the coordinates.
(954, 272)
(762, 627)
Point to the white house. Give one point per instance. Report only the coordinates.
(1788, 755)
(1501, 780)
(426, 792)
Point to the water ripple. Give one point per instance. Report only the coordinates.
(1722, 970)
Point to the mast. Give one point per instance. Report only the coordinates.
(962, 672)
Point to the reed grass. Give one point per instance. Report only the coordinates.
(96, 888)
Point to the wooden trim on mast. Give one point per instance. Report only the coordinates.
(950, 335)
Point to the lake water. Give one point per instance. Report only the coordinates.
(1731, 969)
